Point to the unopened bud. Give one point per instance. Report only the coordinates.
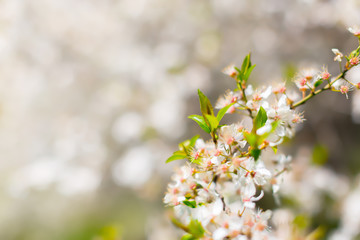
(354, 61)
(325, 75)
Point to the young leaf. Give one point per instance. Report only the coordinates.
(191, 204)
(222, 112)
(193, 140)
(176, 157)
(213, 121)
(255, 153)
(251, 139)
(237, 69)
(260, 118)
(183, 146)
(248, 72)
(318, 83)
(274, 148)
(196, 229)
(205, 105)
(188, 237)
(246, 64)
(201, 122)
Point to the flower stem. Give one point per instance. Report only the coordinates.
(313, 93)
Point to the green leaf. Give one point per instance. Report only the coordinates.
(248, 72)
(201, 122)
(251, 139)
(191, 204)
(193, 140)
(176, 157)
(260, 119)
(274, 148)
(222, 112)
(255, 153)
(196, 229)
(320, 154)
(213, 122)
(185, 148)
(205, 105)
(188, 237)
(246, 64)
(318, 83)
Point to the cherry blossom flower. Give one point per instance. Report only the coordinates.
(338, 55)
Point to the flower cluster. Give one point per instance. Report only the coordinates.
(215, 194)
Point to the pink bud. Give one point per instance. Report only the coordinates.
(325, 75)
(354, 61)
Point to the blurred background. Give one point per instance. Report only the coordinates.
(94, 96)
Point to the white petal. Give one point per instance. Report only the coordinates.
(265, 129)
(220, 234)
(249, 90)
(217, 207)
(267, 92)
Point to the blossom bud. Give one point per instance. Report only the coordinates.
(354, 61)
(325, 75)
